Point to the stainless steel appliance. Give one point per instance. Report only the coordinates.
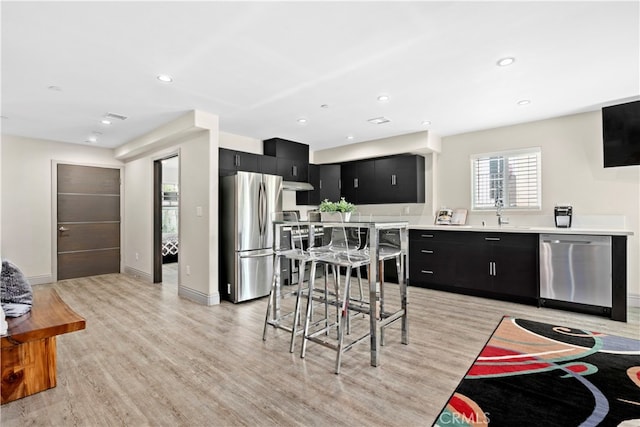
(575, 269)
(563, 215)
(247, 203)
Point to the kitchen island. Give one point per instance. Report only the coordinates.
(503, 262)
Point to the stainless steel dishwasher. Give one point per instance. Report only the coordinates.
(575, 269)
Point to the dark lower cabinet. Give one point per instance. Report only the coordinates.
(497, 265)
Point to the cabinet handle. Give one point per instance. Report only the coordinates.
(355, 182)
(393, 179)
(426, 251)
(294, 171)
(320, 185)
(492, 268)
(236, 160)
(426, 271)
(493, 239)
(426, 235)
(340, 183)
(495, 272)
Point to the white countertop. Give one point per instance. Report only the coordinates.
(526, 229)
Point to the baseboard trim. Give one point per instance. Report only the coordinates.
(138, 274)
(40, 280)
(198, 297)
(633, 300)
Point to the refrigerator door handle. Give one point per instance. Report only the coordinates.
(263, 208)
(260, 196)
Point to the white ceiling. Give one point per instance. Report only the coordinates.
(262, 65)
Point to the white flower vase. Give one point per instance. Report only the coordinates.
(335, 216)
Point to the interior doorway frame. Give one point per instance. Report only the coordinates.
(157, 215)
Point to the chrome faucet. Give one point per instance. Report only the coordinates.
(499, 206)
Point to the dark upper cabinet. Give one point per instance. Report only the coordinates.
(348, 176)
(292, 158)
(286, 149)
(400, 179)
(268, 165)
(358, 182)
(329, 182)
(394, 179)
(326, 185)
(231, 161)
(292, 170)
(311, 197)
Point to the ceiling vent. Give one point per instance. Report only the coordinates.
(379, 120)
(115, 116)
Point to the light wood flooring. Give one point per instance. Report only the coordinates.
(150, 358)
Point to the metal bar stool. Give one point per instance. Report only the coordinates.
(290, 249)
(342, 254)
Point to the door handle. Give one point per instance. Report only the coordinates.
(62, 228)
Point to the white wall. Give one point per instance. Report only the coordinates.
(572, 171)
(195, 138)
(240, 143)
(27, 220)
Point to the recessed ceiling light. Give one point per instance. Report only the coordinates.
(165, 78)
(302, 121)
(524, 102)
(379, 120)
(350, 137)
(383, 98)
(92, 139)
(426, 123)
(105, 121)
(504, 62)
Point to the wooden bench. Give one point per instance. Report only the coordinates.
(29, 347)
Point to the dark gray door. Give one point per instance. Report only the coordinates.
(88, 221)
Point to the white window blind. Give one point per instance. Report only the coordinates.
(512, 178)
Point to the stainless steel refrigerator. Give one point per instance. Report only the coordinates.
(247, 203)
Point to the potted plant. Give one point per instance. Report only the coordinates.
(327, 208)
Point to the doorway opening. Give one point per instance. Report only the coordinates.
(166, 221)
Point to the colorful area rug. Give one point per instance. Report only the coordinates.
(536, 374)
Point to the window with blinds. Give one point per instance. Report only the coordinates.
(510, 177)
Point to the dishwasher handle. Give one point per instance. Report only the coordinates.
(568, 242)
